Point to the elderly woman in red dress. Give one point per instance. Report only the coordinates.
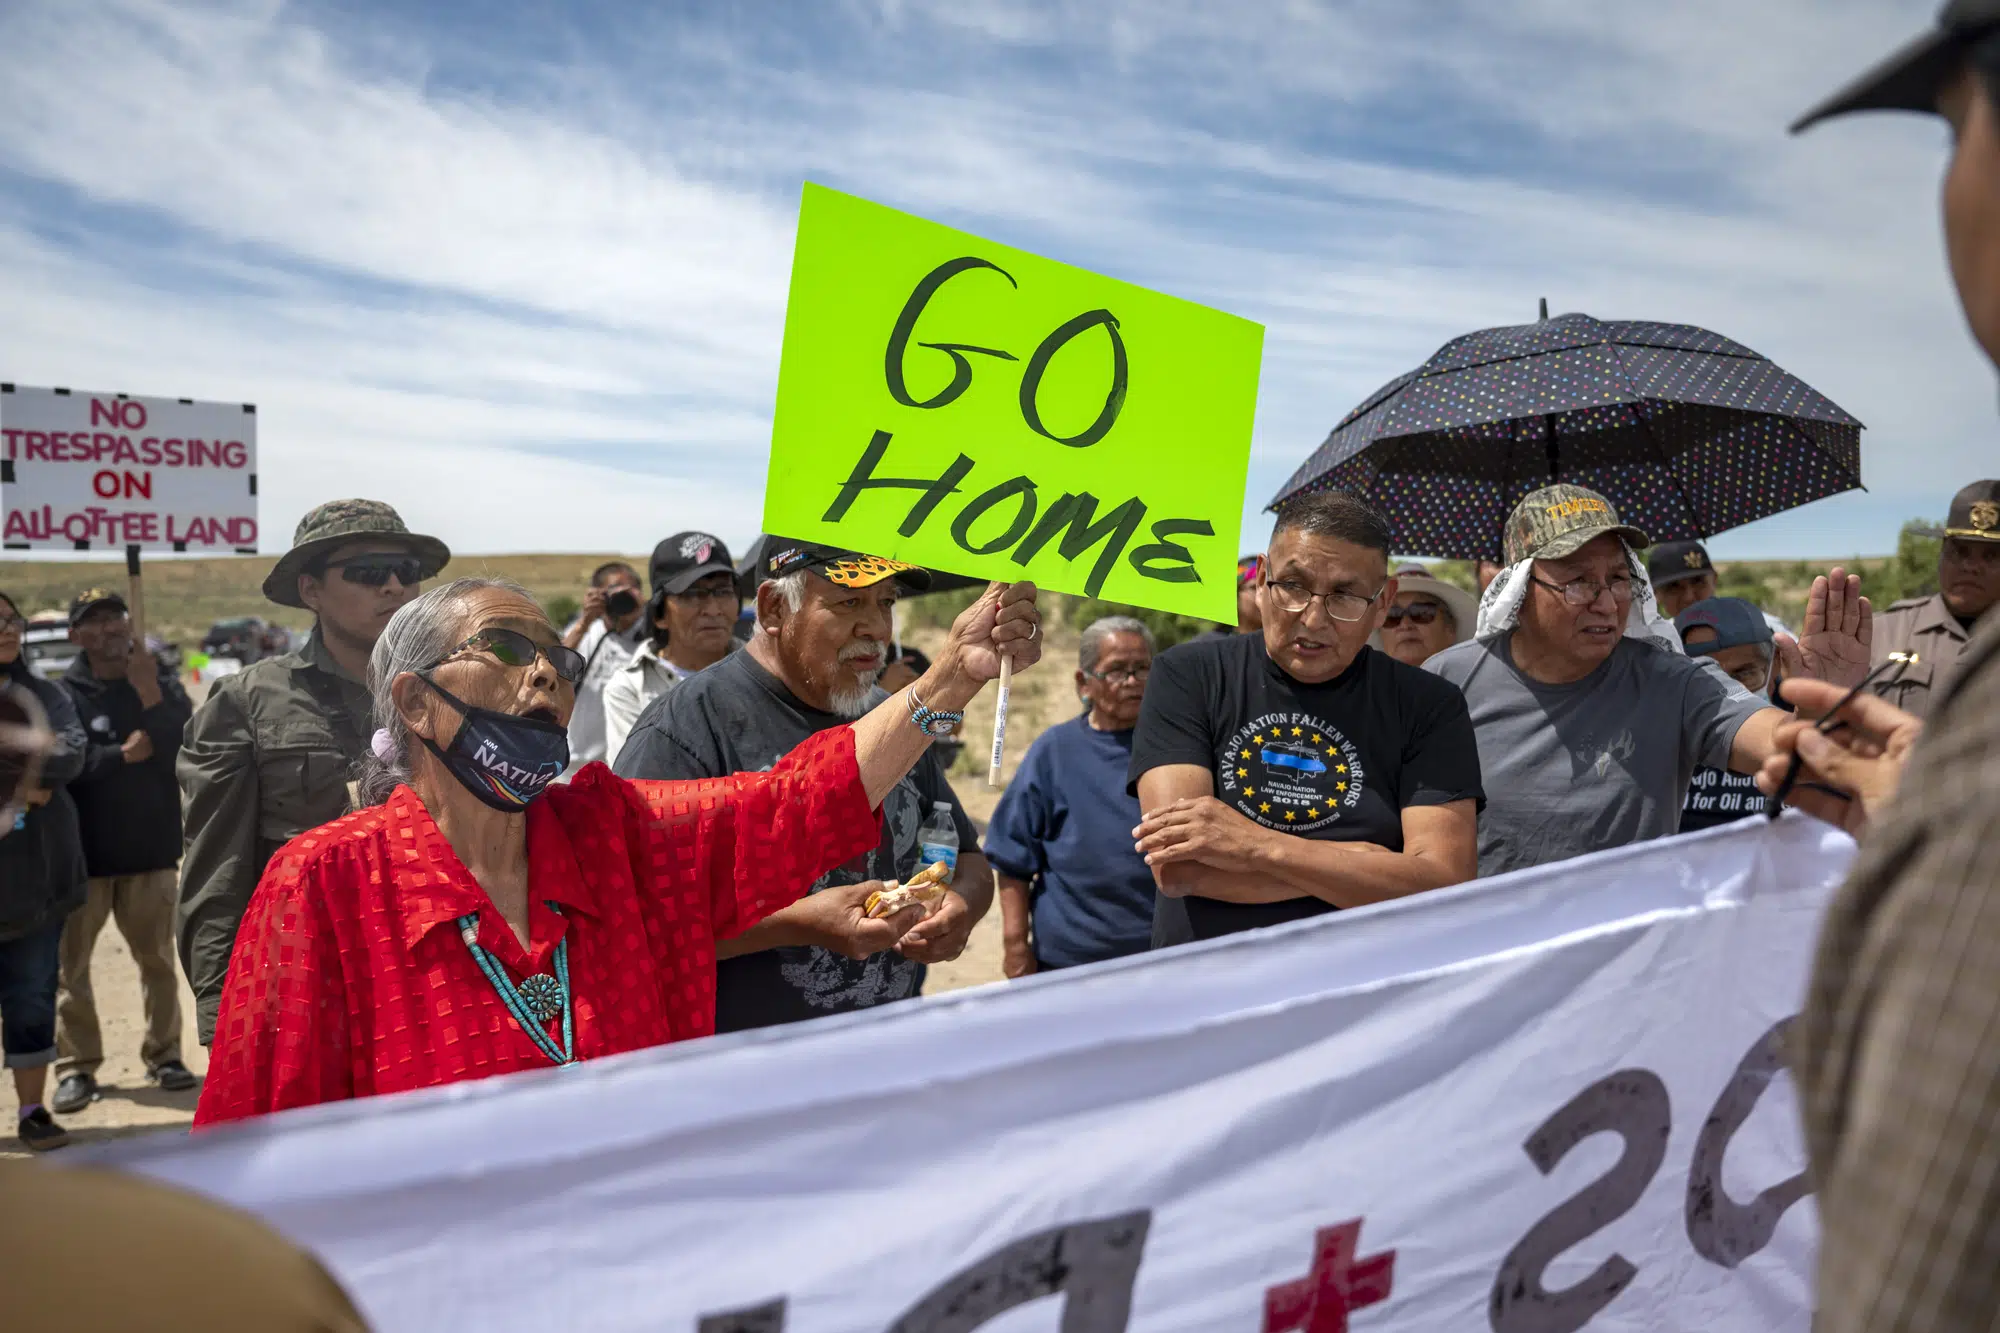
(477, 920)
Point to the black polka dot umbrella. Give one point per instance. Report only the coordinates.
(1686, 432)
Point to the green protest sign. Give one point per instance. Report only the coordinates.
(966, 406)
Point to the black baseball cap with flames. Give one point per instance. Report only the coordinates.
(850, 569)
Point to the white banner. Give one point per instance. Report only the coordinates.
(91, 472)
(1541, 1103)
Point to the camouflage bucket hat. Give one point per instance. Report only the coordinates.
(1560, 520)
(334, 524)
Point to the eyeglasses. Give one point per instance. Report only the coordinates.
(1583, 592)
(1122, 675)
(1347, 607)
(511, 648)
(373, 571)
(704, 596)
(1417, 613)
(13, 625)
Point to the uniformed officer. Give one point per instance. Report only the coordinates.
(268, 755)
(1937, 627)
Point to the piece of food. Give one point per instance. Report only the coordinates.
(923, 889)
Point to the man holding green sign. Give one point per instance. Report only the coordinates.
(962, 405)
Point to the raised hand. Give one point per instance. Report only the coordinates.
(1003, 620)
(143, 673)
(1838, 631)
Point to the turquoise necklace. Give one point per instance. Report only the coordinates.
(536, 1000)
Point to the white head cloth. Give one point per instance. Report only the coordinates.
(1500, 608)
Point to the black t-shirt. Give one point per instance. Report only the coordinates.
(1338, 761)
(736, 717)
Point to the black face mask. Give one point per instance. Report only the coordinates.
(504, 760)
(622, 603)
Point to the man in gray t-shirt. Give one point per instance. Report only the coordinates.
(1588, 737)
(1592, 763)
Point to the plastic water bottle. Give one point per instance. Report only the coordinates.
(937, 840)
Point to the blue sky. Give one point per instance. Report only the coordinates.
(521, 268)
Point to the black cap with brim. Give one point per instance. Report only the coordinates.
(1673, 562)
(1911, 79)
(850, 569)
(686, 558)
(87, 602)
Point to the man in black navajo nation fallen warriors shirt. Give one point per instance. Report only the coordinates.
(1296, 770)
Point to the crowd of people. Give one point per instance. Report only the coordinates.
(446, 837)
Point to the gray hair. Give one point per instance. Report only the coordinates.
(1091, 646)
(792, 587)
(416, 637)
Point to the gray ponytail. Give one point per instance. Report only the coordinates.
(424, 630)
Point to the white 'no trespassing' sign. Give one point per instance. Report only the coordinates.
(1552, 1102)
(90, 472)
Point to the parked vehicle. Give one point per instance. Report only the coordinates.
(246, 638)
(46, 644)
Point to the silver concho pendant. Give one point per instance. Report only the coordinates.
(543, 996)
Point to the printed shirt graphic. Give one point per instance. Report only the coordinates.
(1291, 771)
(738, 717)
(1717, 796)
(1338, 761)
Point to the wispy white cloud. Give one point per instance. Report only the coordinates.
(543, 310)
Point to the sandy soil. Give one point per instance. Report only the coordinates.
(129, 1104)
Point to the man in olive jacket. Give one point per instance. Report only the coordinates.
(270, 752)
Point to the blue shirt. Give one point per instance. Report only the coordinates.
(1065, 824)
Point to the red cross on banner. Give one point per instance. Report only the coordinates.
(1321, 1301)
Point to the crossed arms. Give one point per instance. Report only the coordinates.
(1199, 846)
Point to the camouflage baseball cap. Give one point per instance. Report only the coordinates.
(1559, 520)
(340, 521)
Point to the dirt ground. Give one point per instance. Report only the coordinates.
(130, 1104)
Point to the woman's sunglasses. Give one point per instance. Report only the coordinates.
(1417, 613)
(511, 648)
(372, 571)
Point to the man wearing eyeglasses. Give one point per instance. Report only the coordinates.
(1297, 771)
(269, 753)
(1590, 723)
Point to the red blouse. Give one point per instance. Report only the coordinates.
(350, 977)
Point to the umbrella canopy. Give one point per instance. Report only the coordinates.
(1685, 431)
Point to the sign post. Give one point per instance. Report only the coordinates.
(135, 596)
(963, 405)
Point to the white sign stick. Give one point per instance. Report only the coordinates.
(1000, 720)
